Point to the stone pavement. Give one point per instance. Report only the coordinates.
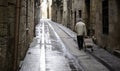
(85, 60)
(32, 60)
(47, 52)
(109, 60)
(54, 50)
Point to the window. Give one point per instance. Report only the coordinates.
(105, 17)
(75, 17)
(87, 2)
(80, 14)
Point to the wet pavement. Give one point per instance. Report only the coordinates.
(109, 60)
(47, 52)
(53, 50)
(88, 62)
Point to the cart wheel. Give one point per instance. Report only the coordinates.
(92, 50)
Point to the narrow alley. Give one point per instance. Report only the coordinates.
(48, 52)
(59, 35)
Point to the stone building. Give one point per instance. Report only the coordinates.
(76, 11)
(67, 11)
(101, 18)
(16, 31)
(57, 10)
(49, 8)
(104, 19)
(44, 9)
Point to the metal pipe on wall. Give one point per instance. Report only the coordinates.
(16, 35)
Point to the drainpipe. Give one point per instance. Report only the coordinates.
(34, 16)
(16, 35)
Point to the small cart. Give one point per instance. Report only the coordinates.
(88, 43)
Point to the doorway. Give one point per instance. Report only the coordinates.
(87, 4)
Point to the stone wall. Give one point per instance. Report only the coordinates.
(57, 11)
(77, 7)
(91, 12)
(53, 16)
(65, 13)
(7, 20)
(114, 27)
(7, 31)
(49, 8)
(95, 22)
(110, 41)
(26, 27)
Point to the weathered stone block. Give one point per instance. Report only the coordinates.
(1, 14)
(3, 30)
(1, 2)
(3, 57)
(13, 2)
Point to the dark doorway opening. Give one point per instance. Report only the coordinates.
(87, 3)
(80, 14)
(118, 25)
(75, 18)
(105, 16)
